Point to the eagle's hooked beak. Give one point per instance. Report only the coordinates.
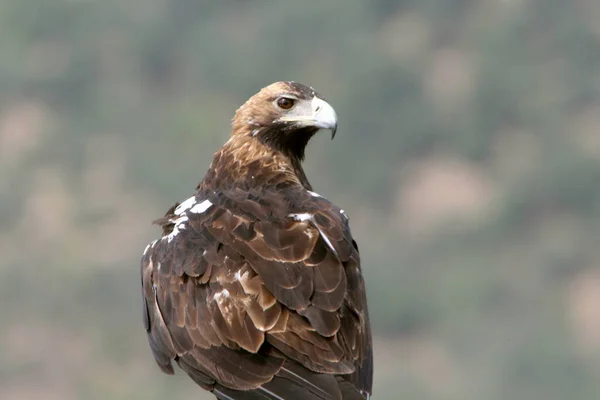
(321, 115)
(324, 115)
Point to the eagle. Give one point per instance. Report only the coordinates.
(255, 287)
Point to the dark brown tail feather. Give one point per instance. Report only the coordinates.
(349, 391)
(294, 382)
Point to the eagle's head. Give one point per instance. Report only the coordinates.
(284, 116)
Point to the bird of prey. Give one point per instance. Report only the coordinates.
(255, 288)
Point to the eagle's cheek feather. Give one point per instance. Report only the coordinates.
(255, 288)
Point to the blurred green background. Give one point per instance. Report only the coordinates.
(468, 158)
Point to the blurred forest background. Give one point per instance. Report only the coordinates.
(468, 159)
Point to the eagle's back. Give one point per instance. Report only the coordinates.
(258, 292)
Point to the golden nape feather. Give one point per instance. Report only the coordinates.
(255, 288)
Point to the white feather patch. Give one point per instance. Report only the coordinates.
(183, 207)
(179, 225)
(200, 208)
(301, 217)
(313, 194)
(221, 295)
(237, 275)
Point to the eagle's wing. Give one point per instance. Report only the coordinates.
(242, 282)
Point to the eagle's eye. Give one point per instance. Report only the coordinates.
(285, 103)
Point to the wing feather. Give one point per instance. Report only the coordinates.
(226, 284)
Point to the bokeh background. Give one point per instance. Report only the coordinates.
(468, 157)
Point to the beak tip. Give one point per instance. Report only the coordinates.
(324, 116)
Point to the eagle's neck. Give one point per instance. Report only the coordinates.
(299, 172)
(250, 162)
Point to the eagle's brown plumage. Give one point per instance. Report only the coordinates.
(255, 289)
